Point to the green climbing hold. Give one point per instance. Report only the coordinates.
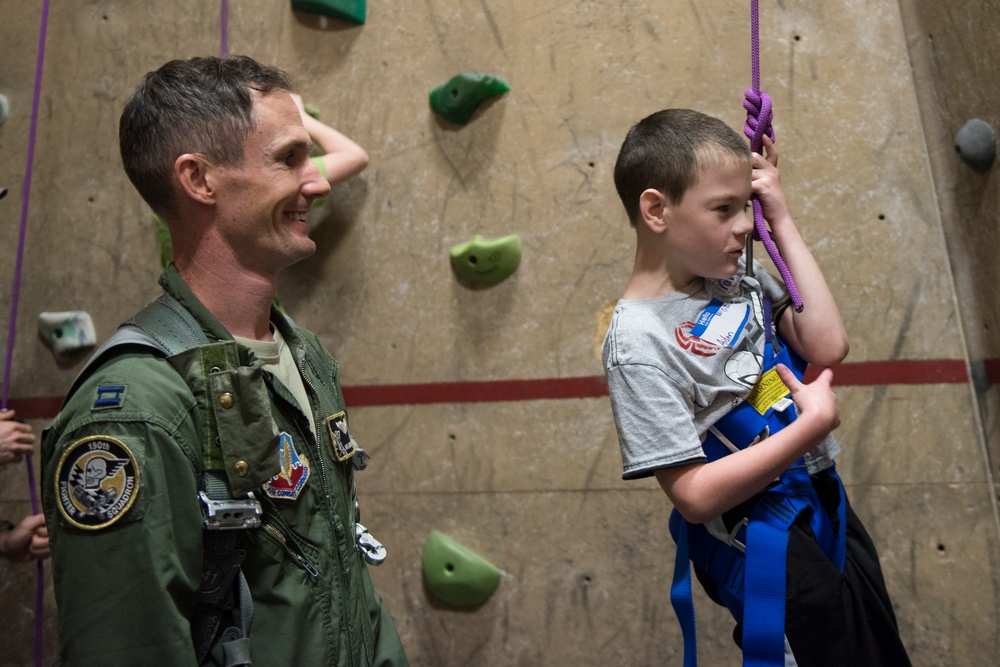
(459, 98)
(311, 110)
(352, 11)
(483, 262)
(166, 243)
(456, 575)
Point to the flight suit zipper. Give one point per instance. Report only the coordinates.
(297, 556)
(349, 539)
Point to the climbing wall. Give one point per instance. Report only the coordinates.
(483, 408)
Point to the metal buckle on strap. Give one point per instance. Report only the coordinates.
(231, 514)
(371, 549)
(733, 540)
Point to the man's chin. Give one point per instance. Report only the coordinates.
(302, 248)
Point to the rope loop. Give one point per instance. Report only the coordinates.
(759, 117)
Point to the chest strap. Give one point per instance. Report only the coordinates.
(750, 565)
(168, 329)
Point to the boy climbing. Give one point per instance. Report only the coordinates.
(699, 358)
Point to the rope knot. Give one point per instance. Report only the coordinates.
(759, 116)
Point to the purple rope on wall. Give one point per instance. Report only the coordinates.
(224, 20)
(12, 323)
(758, 124)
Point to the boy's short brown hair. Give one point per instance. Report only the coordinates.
(666, 150)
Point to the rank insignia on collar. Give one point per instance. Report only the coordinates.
(288, 483)
(343, 444)
(97, 481)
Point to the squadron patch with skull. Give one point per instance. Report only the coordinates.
(96, 482)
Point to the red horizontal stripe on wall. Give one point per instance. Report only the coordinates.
(868, 373)
(37, 407)
(916, 371)
(476, 392)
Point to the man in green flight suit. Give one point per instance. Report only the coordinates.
(199, 482)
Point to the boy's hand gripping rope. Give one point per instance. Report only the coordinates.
(758, 123)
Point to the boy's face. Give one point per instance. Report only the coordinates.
(707, 229)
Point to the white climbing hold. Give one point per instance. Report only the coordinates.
(67, 332)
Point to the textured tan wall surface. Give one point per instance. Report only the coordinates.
(955, 50)
(535, 486)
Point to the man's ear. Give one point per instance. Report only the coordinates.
(192, 173)
(654, 209)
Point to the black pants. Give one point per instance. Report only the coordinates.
(832, 619)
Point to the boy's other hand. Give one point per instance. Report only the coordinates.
(816, 402)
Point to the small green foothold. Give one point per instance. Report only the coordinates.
(352, 11)
(483, 262)
(166, 243)
(311, 110)
(456, 575)
(458, 99)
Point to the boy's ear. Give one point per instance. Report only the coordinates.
(654, 207)
(192, 173)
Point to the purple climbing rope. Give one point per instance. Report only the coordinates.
(12, 323)
(224, 40)
(758, 124)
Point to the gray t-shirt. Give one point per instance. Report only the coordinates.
(678, 363)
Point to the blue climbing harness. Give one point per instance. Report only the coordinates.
(749, 566)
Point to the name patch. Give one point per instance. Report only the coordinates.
(96, 482)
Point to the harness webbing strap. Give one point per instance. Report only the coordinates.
(680, 589)
(763, 639)
(166, 327)
(750, 569)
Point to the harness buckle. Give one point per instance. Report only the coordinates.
(371, 549)
(733, 540)
(231, 514)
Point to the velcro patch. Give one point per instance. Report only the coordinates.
(343, 444)
(97, 481)
(288, 483)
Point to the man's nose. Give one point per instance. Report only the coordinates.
(316, 185)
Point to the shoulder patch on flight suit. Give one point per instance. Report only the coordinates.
(110, 396)
(343, 444)
(288, 483)
(97, 480)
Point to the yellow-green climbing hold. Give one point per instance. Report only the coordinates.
(482, 262)
(456, 575)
